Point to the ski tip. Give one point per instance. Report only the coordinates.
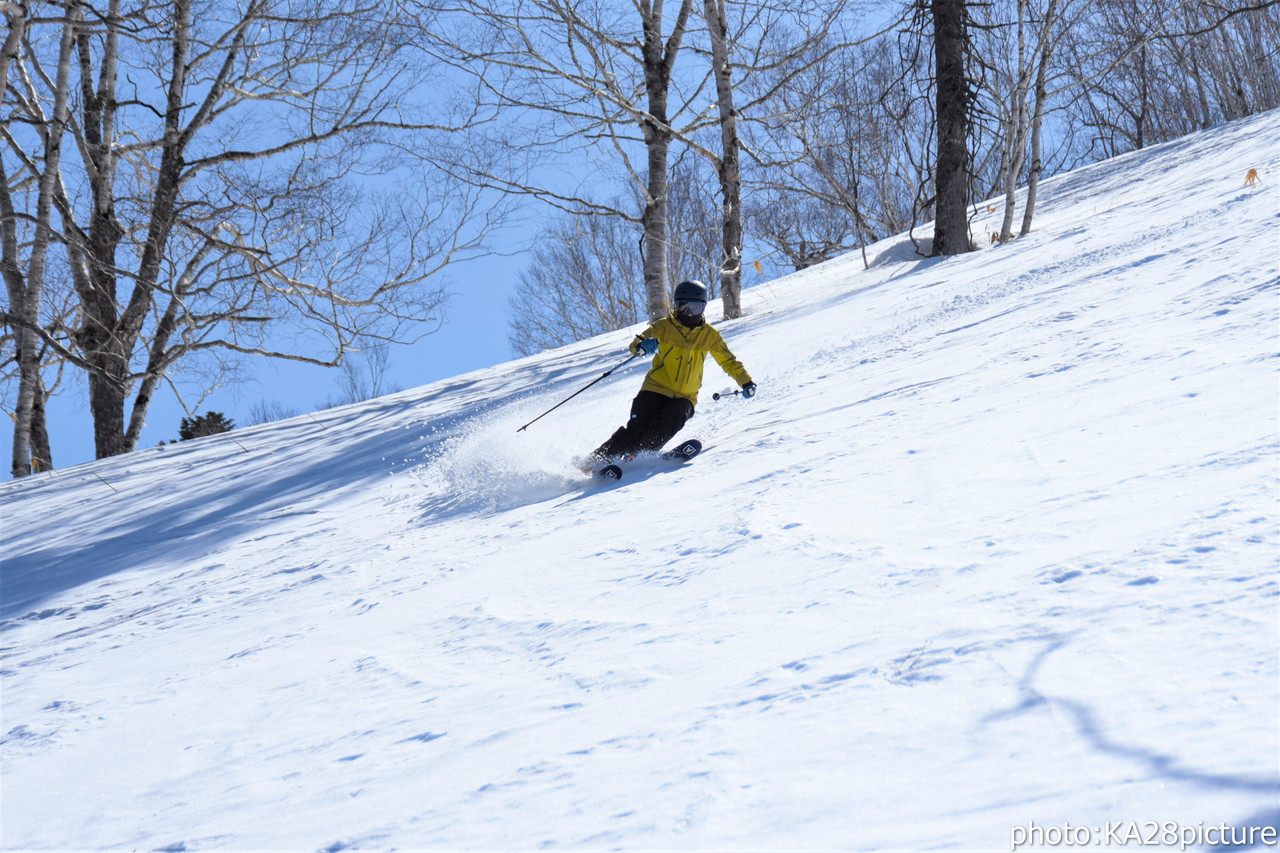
(684, 451)
(610, 472)
(688, 449)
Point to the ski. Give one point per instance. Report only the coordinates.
(681, 453)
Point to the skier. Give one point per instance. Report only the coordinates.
(679, 343)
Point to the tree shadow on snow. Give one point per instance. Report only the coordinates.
(296, 470)
(1158, 764)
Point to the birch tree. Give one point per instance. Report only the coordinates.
(582, 80)
(584, 274)
(1018, 39)
(754, 59)
(602, 84)
(728, 163)
(25, 271)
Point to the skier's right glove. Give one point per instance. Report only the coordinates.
(748, 390)
(648, 346)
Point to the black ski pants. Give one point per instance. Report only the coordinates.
(655, 418)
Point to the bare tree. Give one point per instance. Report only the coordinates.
(586, 70)
(1180, 67)
(362, 376)
(839, 165)
(245, 175)
(1045, 45)
(1016, 47)
(581, 79)
(954, 98)
(884, 142)
(584, 278)
(856, 140)
(728, 168)
(266, 411)
(756, 60)
(25, 261)
(696, 247)
(586, 272)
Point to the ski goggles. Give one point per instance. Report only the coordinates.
(689, 306)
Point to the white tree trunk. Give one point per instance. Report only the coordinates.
(659, 63)
(1016, 126)
(728, 168)
(26, 293)
(1041, 96)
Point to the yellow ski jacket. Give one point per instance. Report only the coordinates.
(677, 365)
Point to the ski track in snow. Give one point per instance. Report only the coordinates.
(996, 543)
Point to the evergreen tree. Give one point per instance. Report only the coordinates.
(210, 423)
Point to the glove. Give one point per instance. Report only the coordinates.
(648, 346)
(748, 390)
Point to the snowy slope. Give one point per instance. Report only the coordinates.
(996, 544)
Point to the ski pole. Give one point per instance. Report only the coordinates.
(574, 394)
(718, 395)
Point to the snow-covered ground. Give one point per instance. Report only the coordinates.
(996, 545)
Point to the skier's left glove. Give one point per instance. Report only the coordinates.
(748, 390)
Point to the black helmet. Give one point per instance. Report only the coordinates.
(691, 301)
(691, 291)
